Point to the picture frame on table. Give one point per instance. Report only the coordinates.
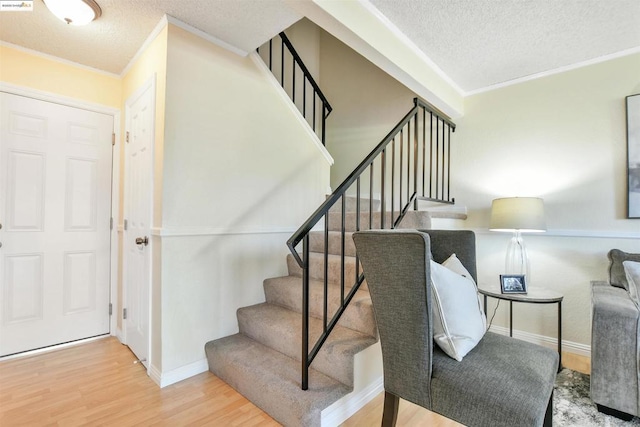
(513, 284)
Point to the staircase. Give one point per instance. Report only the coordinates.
(262, 362)
(308, 347)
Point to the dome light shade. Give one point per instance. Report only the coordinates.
(74, 12)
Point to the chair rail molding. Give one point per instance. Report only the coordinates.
(189, 231)
(591, 234)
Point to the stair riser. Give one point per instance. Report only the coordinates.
(288, 293)
(351, 205)
(243, 381)
(271, 381)
(316, 243)
(412, 219)
(316, 268)
(335, 221)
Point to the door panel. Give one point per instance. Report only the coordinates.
(23, 288)
(138, 201)
(25, 191)
(55, 204)
(81, 198)
(80, 284)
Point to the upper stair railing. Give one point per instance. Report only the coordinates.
(297, 81)
(411, 163)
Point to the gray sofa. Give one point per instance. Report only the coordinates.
(501, 382)
(614, 342)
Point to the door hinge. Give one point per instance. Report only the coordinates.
(110, 309)
(111, 223)
(127, 136)
(124, 313)
(126, 224)
(113, 138)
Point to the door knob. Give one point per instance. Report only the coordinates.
(142, 240)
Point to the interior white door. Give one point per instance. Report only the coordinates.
(55, 199)
(140, 112)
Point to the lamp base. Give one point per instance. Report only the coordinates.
(517, 261)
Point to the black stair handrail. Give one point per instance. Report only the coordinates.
(438, 169)
(306, 71)
(293, 89)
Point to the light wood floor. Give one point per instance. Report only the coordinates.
(98, 384)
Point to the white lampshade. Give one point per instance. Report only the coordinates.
(525, 214)
(517, 215)
(74, 12)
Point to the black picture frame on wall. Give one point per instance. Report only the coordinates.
(633, 155)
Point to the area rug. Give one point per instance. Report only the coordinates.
(572, 405)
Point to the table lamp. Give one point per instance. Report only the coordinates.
(518, 215)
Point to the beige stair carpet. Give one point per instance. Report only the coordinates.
(263, 361)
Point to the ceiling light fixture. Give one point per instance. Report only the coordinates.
(74, 12)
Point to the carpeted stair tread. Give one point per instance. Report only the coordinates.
(418, 220)
(271, 380)
(287, 292)
(316, 268)
(280, 329)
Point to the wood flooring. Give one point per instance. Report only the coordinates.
(97, 383)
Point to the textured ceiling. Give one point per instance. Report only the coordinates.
(476, 43)
(111, 41)
(482, 43)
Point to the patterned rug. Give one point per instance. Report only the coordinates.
(572, 405)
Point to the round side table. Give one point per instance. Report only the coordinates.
(534, 295)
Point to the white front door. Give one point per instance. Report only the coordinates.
(55, 200)
(140, 119)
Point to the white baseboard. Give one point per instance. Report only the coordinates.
(367, 384)
(119, 335)
(155, 375)
(164, 379)
(568, 346)
(336, 414)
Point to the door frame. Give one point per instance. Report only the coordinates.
(149, 84)
(115, 174)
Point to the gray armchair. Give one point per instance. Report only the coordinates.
(614, 342)
(501, 382)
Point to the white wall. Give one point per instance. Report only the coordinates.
(561, 138)
(240, 175)
(367, 104)
(305, 37)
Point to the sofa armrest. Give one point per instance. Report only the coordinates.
(614, 348)
(607, 300)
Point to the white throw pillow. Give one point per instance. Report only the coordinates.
(454, 264)
(458, 321)
(632, 271)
